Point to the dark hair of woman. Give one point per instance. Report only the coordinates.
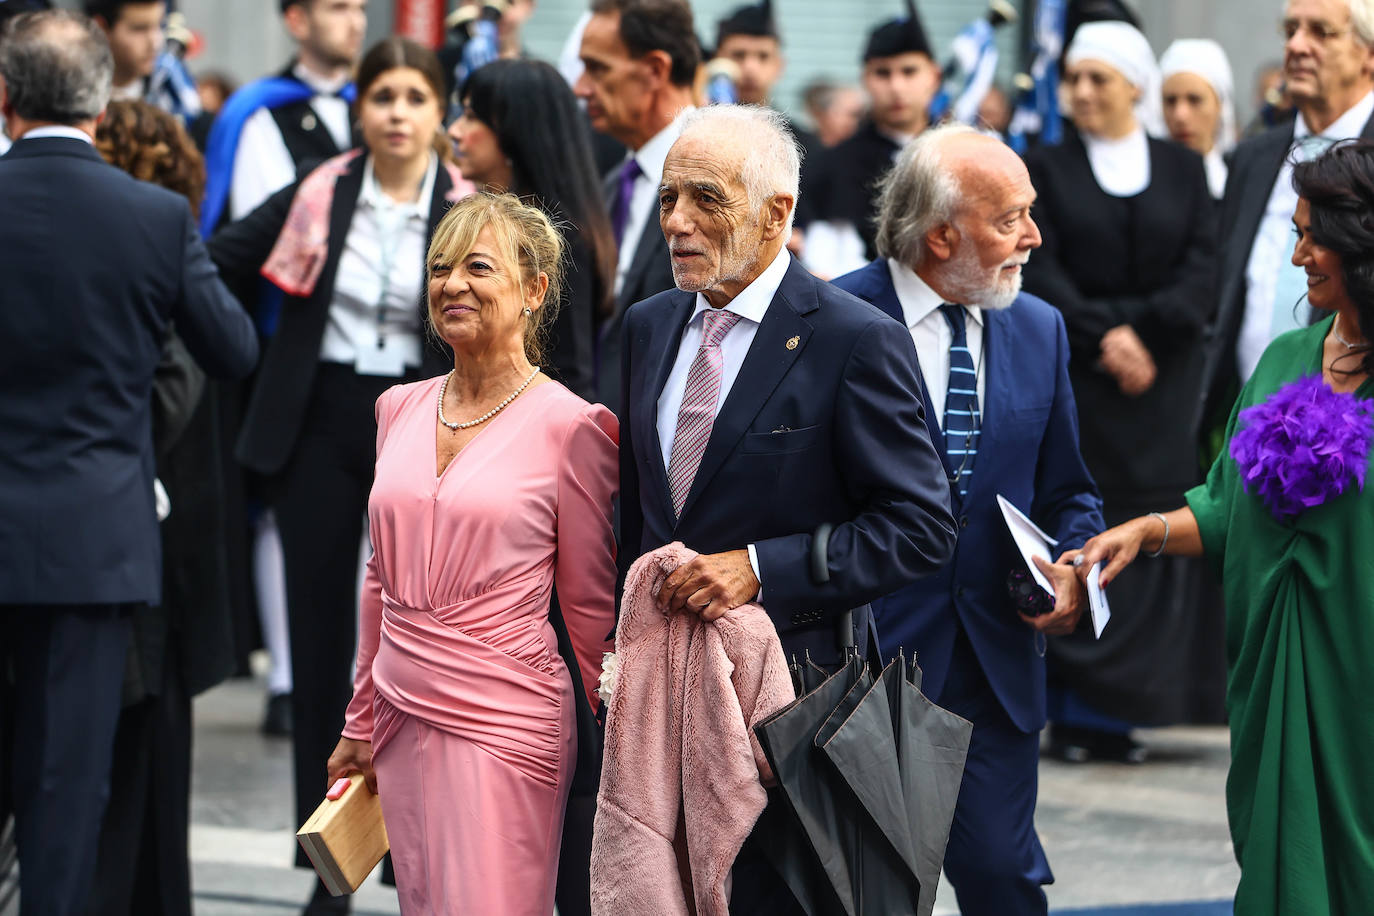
(1339, 188)
(539, 127)
(152, 146)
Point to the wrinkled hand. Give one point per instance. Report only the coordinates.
(1069, 594)
(1115, 548)
(351, 756)
(1126, 357)
(710, 585)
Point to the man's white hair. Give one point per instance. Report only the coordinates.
(773, 163)
(1361, 19)
(918, 194)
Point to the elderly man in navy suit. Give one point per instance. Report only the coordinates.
(759, 404)
(954, 230)
(97, 268)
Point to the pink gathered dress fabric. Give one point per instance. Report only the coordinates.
(459, 684)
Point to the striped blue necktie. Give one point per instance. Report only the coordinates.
(961, 402)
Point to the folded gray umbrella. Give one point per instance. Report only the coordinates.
(868, 775)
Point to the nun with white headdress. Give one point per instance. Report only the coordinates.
(1128, 257)
(1199, 103)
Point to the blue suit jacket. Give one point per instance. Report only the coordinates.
(823, 424)
(1029, 454)
(96, 267)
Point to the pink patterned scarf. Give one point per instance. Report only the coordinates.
(298, 257)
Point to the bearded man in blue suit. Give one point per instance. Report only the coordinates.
(954, 230)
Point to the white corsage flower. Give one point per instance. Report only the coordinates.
(610, 670)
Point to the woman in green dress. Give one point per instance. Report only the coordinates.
(1286, 519)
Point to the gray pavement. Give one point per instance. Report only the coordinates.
(1141, 840)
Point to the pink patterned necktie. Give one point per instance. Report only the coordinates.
(697, 414)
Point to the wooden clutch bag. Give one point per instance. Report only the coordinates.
(345, 837)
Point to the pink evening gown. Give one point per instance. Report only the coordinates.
(459, 684)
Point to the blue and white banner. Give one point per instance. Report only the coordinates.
(1037, 112)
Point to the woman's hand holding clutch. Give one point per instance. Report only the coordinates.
(352, 756)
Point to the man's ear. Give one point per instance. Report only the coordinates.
(659, 66)
(295, 19)
(942, 240)
(775, 214)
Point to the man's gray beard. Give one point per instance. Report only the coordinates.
(969, 280)
(741, 269)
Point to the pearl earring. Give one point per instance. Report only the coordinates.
(528, 311)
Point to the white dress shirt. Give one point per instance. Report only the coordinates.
(129, 92)
(750, 305)
(262, 163)
(58, 130)
(1214, 163)
(644, 197)
(931, 334)
(381, 266)
(1271, 252)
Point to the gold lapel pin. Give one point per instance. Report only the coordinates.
(792, 342)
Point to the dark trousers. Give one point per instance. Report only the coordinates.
(321, 500)
(144, 864)
(994, 859)
(63, 668)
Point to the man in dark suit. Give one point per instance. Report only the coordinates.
(640, 60)
(97, 266)
(995, 374)
(760, 404)
(266, 136)
(1328, 66)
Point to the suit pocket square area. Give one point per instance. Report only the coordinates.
(780, 440)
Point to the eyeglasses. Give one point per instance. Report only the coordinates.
(1320, 32)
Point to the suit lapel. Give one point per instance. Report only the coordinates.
(1270, 161)
(651, 245)
(768, 360)
(346, 191)
(885, 297)
(433, 349)
(997, 391)
(661, 356)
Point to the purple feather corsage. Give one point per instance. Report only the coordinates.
(1304, 445)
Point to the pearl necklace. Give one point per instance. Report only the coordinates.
(490, 413)
(1335, 331)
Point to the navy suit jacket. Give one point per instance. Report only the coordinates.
(96, 267)
(823, 424)
(1029, 454)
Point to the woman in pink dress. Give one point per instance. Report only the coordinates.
(493, 484)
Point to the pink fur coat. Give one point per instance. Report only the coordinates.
(683, 779)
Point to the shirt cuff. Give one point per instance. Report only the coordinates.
(754, 564)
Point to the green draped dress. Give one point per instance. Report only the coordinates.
(1300, 693)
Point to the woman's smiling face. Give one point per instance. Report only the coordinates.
(479, 299)
(1325, 273)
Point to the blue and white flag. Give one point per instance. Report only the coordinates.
(976, 53)
(1037, 112)
(171, 88)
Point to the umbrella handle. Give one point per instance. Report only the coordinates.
(820, 573)
(820, 553)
